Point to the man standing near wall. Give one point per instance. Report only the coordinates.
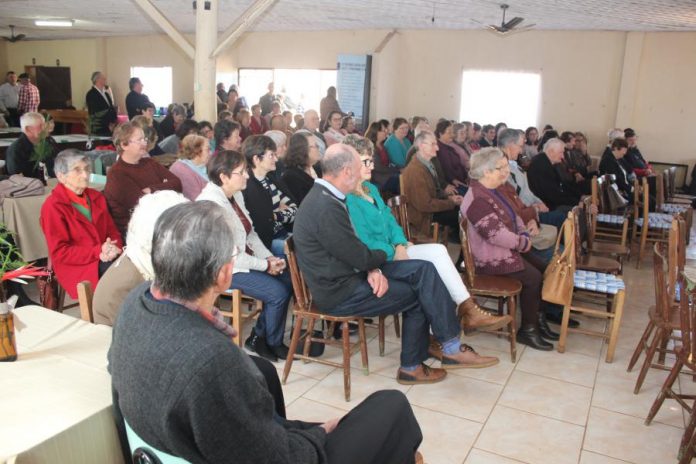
(28, 98)
(136, 100)
(100, 105)
(9, 98)
(266, 100)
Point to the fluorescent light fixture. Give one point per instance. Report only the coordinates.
(54, 22)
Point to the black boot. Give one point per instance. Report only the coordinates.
(544, 329)
(529, 335)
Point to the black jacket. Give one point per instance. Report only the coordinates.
(546, 183)
(101, 113)
(610, 165)
(298, 183)
(18, 159)
(135, 103)
(260, 206)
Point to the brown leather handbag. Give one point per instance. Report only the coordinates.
(559, 274)
(49, 289)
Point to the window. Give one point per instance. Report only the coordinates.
(492, 97)
(157, 84)
(302, 89)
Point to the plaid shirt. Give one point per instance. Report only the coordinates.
(28, 98)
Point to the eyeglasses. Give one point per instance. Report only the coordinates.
(502, 168)
(367, 162)
(80, 170)
(140, 140)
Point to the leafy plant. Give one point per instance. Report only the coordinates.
(43, 150)
(12, 265)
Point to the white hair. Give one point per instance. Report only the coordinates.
(30, 119)
(142, 225)
(553, 142)
(278, 137)
(614, 134)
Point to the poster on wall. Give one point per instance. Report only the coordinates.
(353, 87)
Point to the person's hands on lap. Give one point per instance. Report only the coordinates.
(450, 189)
(330, 425)
(400, 253)
(541, 207)
(378, 282)
(457, 199)
(275, 265)
(532, 228)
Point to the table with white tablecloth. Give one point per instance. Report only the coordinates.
(56, 400)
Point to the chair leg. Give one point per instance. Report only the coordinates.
(647, 362)
(363, 346)
(308, 338)
(669, 382)
(564, 329)
(643, 243)
(237, 317)
(397, 326)
(346, 360)
(512, 311)
(382, 321)
(662, 351)
(688, 441)
(293, 346)
(618, 304)
(640, 347)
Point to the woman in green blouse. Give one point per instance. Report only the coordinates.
(377, 228)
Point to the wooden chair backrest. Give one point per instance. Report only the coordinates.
(688, 337)
(662, 299)
(399, 208)
(590, 219)
(672, 176)
(85, 296)
(660, 190)
(603, 184)
(577, 212)
(595, 191)
(303, 299)
(641, 199)
(470, 265)
(676, 252)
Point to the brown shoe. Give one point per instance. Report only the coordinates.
(424, 374)
(435, 348)
(474, 317)
(468, 358)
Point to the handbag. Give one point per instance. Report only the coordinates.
(49, 289)
(613, 199)
(560, 273)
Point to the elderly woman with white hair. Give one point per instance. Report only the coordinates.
(135, 265)
(498, 238)
(82, 238)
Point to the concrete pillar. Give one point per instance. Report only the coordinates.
(204, 96)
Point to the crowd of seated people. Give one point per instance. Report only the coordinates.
(269, 182)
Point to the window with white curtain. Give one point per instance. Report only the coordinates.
(489, 97)
(157, 83)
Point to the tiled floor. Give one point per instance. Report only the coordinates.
(545, 408)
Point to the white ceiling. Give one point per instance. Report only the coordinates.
(123, 17)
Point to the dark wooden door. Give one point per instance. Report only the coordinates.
(54, 86)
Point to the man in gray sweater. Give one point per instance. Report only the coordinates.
(187, 390)
(347, 278)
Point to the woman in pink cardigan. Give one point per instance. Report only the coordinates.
(498, 238)
(191, 166)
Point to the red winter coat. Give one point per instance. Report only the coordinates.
(74, 243)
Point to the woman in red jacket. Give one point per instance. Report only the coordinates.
(81, 236)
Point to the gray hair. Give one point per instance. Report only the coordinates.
(30, 119)
(421, 136)
(67, 159)
(484, 160)
(553, 142)
(422, 126)
(95, 76)
(362, 145)
(278, 137)
(337, 157)
(142, 224)
(190, 245)
(508, 137)
(614, 134)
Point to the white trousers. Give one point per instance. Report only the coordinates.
(438, 255)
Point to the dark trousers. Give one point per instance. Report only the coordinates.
(381, 429)
(556, 217)
(416, 290)
(12, 117)
(531, 279)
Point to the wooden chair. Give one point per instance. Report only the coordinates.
(664, 317)
(684, 353)
(304, 309)
(589, 261)
(235, 313)
(605, 286)
(653, 227)
(598, 247)
(671, 185)
(664, 203)
(503, 289)
(609, 226)
(438, 233)
(84, 298)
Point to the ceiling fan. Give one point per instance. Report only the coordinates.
(508, 27)
(14, 38)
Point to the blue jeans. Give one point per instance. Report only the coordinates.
(278, 244)
(274, 292)
(555, 217)
(416, 290)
